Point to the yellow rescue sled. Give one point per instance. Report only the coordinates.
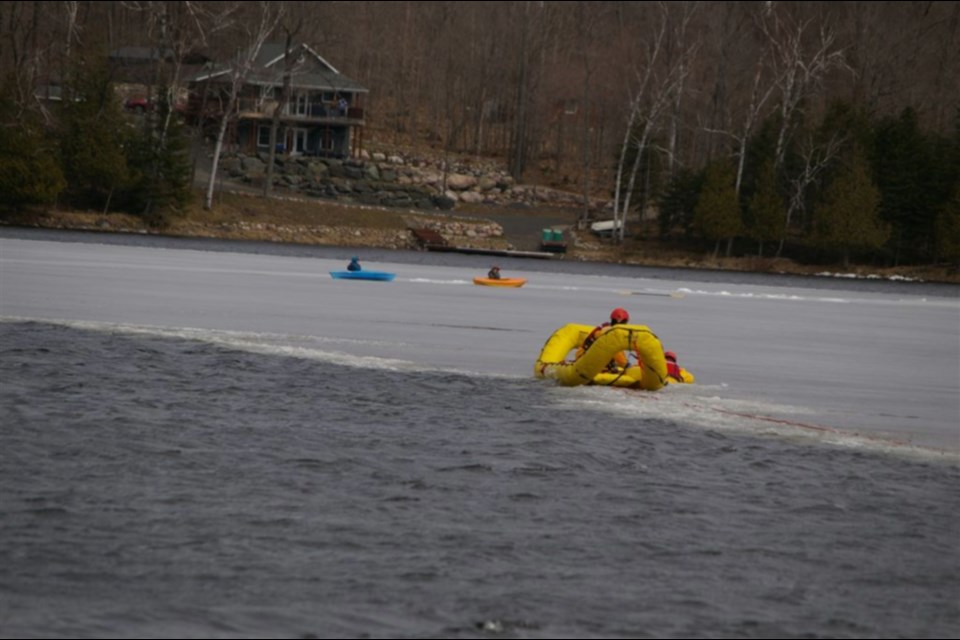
(592, 365)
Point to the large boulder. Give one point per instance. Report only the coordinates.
(251, 164)
(460, 181)
(444, 202)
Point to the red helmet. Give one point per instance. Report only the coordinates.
(670, 355)
(619, 316)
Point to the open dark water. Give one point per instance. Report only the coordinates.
(153, 486)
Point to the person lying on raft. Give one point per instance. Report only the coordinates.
(673, 369)
(619, 361)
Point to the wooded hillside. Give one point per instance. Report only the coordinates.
(663, 105)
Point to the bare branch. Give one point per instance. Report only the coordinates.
(797, 73)
(270, 14)
(647, 107)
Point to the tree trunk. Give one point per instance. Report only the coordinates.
(618, 184)
(518, 155)
(217, 149)
(268, 19)
(288, 61)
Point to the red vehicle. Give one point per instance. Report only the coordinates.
(138, 105)
(142, 105)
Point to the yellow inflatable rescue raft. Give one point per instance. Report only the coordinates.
(591, 366)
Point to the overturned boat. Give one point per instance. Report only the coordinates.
(593, 365)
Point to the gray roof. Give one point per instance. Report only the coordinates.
(271, 53)
(318, 74)
(141, 53)
(49, 92)
(313, 81)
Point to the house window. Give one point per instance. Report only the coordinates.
(267, 94)
(301, 105)
(326, 140)
(300, 138)
(263, 136)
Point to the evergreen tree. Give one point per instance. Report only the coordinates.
(93, 138)
(947, 182)
(160, 166)
(679, 200)
(906, 172)
(849, 122)
(763, 149)
(29, 171)
(717, 213)
(851, 125)
(948, 229)
(848, 218)
(760, 149)
(764, 215)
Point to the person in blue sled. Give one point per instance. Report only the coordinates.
(354, 264)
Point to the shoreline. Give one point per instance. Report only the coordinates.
(694, 273)
(281, 220)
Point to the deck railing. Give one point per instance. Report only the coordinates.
(307, 111)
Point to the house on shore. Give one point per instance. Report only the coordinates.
(323, 117)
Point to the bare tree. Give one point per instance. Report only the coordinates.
(654, 94)
(758, 99)
(518, 152)
(586, 26)
(815, 159)
(903, 53)
(289, 61)
(645, 79)
(481, 72)
(948, 60)
(677, 47)
(269, 15)
(21, 56)
(177, 29)
(798, 71)
(71, 8)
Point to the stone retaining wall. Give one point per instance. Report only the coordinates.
(396, 181)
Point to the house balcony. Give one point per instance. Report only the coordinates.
(311, 113)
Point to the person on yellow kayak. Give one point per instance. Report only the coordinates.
(494, 273)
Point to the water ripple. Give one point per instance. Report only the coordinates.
(164, 486)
